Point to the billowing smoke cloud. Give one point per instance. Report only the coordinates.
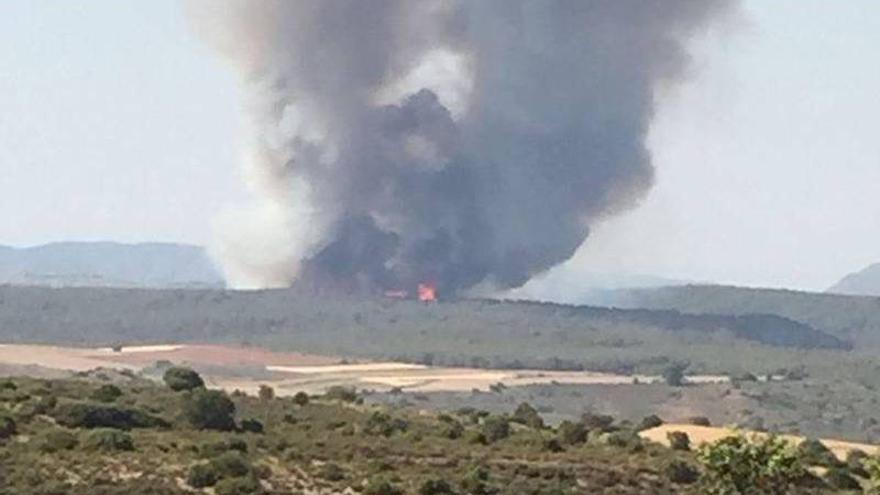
(458, 142)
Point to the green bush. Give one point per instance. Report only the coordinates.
(571, 433)
(301, 399)
(476, 482)
(266, 392)
(340, 393)
(213, 449)
(210, 410)
(815, 453)
(381, 486)
(331, 472)
(678, 440)
(7, 426)
(106, 393)
(85, 415)
(436, 487)
(648, 422)
(380, 423)
(840, 478)
(56, 440)
(682, 473)
(673, 374)
(597, 422)
(737, 465)
(237, 486)
(251, 426)
(178, 378)
(527, 415)
(699, 421)
(109, 439)
(201, 476)
(496, 428)
(230, 465)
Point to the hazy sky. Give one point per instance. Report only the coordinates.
(116, 123)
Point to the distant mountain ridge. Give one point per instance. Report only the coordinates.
(865, 282)
(109, 264)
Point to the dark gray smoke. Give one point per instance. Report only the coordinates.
(458, 142)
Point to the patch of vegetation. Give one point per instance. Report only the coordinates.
(179, 379)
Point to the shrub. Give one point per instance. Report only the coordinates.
(178, 378)
(301, 398)
(210, 410)
(598, 422)
(571, 433)
(84, 415)
(381, 486)
(56, 440)
(476, 482)
(678, 440)
(109, 439)
(230, 465)
(682, 473)
(673, 374)
(649, 422)
(436, 487)
(496, 428)
(839, 478)
(815, 453)
(527, 415)
(266, 392)
(213, 449)
(7, 426)
(738, 465)
(106, 393)
(699, 421)
(251, 426)
(452, 430)
(340, 393)
(237, 486)
(201, 476)
(331, 472)
(380, 423)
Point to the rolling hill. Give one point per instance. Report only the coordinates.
(109, 264)
(865, 282)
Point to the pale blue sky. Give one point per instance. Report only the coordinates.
(116, 123)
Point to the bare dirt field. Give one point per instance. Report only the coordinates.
(708, 434)
(246, 368)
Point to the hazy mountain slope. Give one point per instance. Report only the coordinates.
(108, 264)
(863, 283)
(852, 318)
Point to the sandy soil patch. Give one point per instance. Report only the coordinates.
(708, 434)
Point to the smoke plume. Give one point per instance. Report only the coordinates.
(457, 142)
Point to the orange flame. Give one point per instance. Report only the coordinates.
(427, 292)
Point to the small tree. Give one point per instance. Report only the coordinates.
(737, 465)
(527, 415)
(301, 398)
(7, 427)
(681, 472)
(571, 433)
(179, 378)
(210, 410)
(678, 440)
(648, 422)
(673, 375)
(266, 392)
(109, 439)
(106, 393)
(496, 428)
